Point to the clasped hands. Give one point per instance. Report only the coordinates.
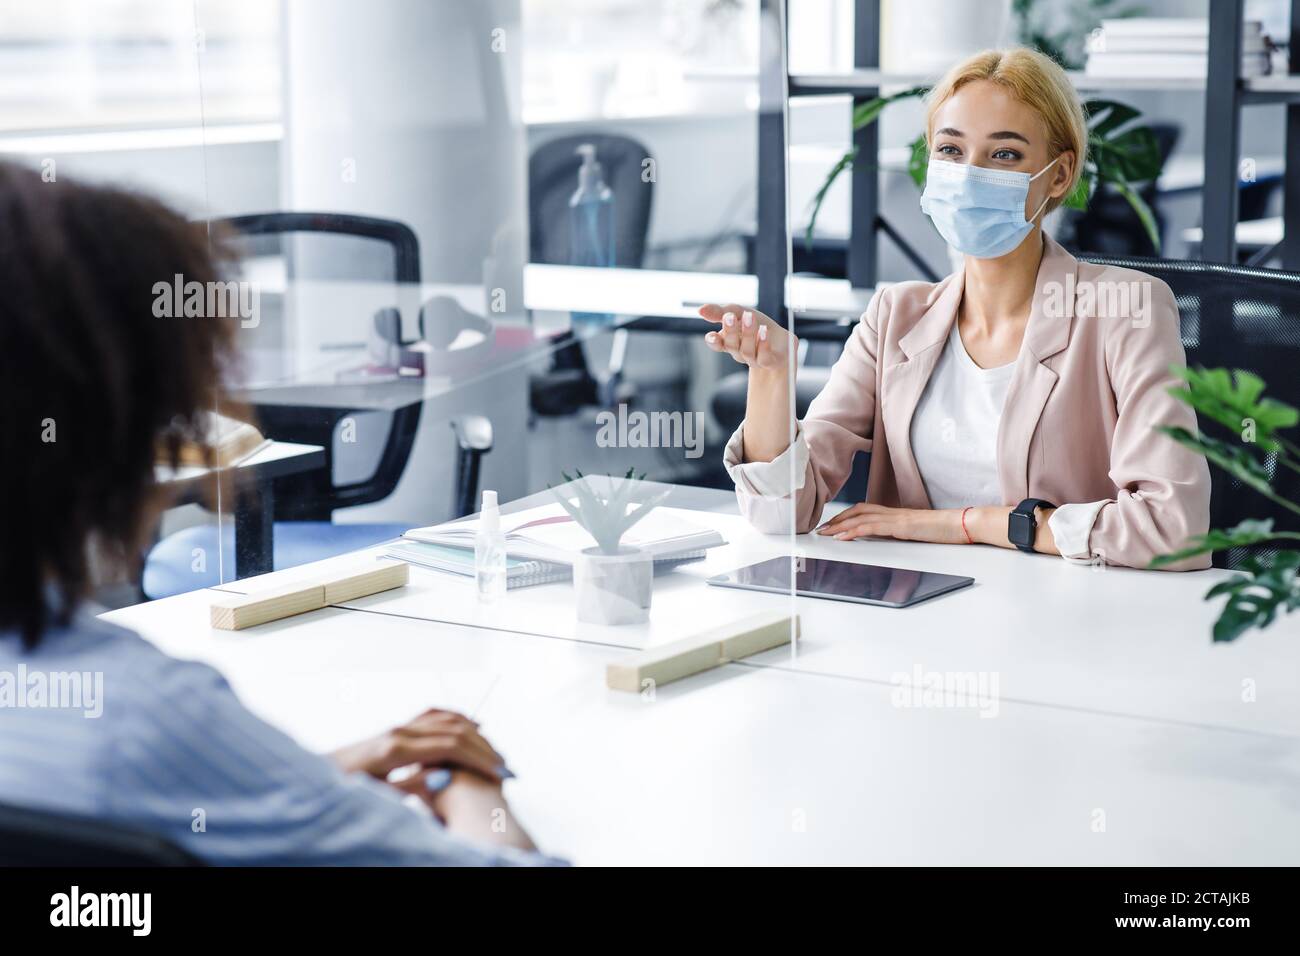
(437, 754)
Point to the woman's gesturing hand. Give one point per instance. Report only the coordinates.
(748, 336)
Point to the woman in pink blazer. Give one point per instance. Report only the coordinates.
(1013, 403)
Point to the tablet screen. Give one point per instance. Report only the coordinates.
(842, 580)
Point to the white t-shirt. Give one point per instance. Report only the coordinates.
(955, 428)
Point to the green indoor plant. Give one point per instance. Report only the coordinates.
(612, 582)
(1266, 582)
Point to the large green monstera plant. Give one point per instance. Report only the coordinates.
(1249, 446)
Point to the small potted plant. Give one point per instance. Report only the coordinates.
(612, 582)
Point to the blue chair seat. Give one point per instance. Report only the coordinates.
(187, 560)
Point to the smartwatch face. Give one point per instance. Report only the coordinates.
(1020, 529)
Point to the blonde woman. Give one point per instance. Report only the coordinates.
(1011, 404)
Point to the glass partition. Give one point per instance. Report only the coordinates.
(465, 249)
(507, 283)
(110, 93)
(474, 261)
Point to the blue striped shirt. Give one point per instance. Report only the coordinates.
(97, 722)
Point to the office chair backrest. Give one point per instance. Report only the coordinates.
(315, 496)
(1237, 317)
(553, 178)
(398, 236)
(37, 838)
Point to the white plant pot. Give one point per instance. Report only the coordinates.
(613, 588)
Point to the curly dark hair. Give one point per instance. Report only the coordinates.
(93, 385)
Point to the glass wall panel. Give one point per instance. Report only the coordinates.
(479, 255)
(486, 256)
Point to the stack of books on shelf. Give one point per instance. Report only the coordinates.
(1167, 48)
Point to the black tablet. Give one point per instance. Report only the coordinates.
(842, 581)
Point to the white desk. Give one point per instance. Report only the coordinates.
(1112, 698)
(1107, 640)
(762, 765)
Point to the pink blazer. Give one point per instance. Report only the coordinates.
(1088, 389)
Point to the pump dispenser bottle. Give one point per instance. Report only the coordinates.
(490, 551)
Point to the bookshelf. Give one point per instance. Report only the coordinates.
(1224, 92)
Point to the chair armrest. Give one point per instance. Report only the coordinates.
(473, 433)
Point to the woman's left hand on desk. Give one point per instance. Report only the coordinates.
(906, 524)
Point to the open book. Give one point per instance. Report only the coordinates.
(231, 442)
(547, 533)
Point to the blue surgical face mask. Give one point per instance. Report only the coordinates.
(979, 211)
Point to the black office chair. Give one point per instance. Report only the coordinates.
(380, 249)
(39, 838)
(390, 251)
(552, 178)
(1237, 317)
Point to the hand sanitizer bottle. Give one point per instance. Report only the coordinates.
(591, 222)
(490, 551)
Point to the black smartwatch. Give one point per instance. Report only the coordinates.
(1022, 525)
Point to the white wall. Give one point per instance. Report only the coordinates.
(219, 180)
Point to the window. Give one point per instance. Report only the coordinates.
(113, 64)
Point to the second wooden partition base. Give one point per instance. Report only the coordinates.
(703, 651)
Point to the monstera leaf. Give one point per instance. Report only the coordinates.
(1235, 400)
(1246, 533)
(1265, 583)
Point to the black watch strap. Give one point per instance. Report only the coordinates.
(1022, 526)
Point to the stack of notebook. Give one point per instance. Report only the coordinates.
(1167, 48)
(542, 544)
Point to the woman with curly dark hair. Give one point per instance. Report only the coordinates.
(93, 384)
